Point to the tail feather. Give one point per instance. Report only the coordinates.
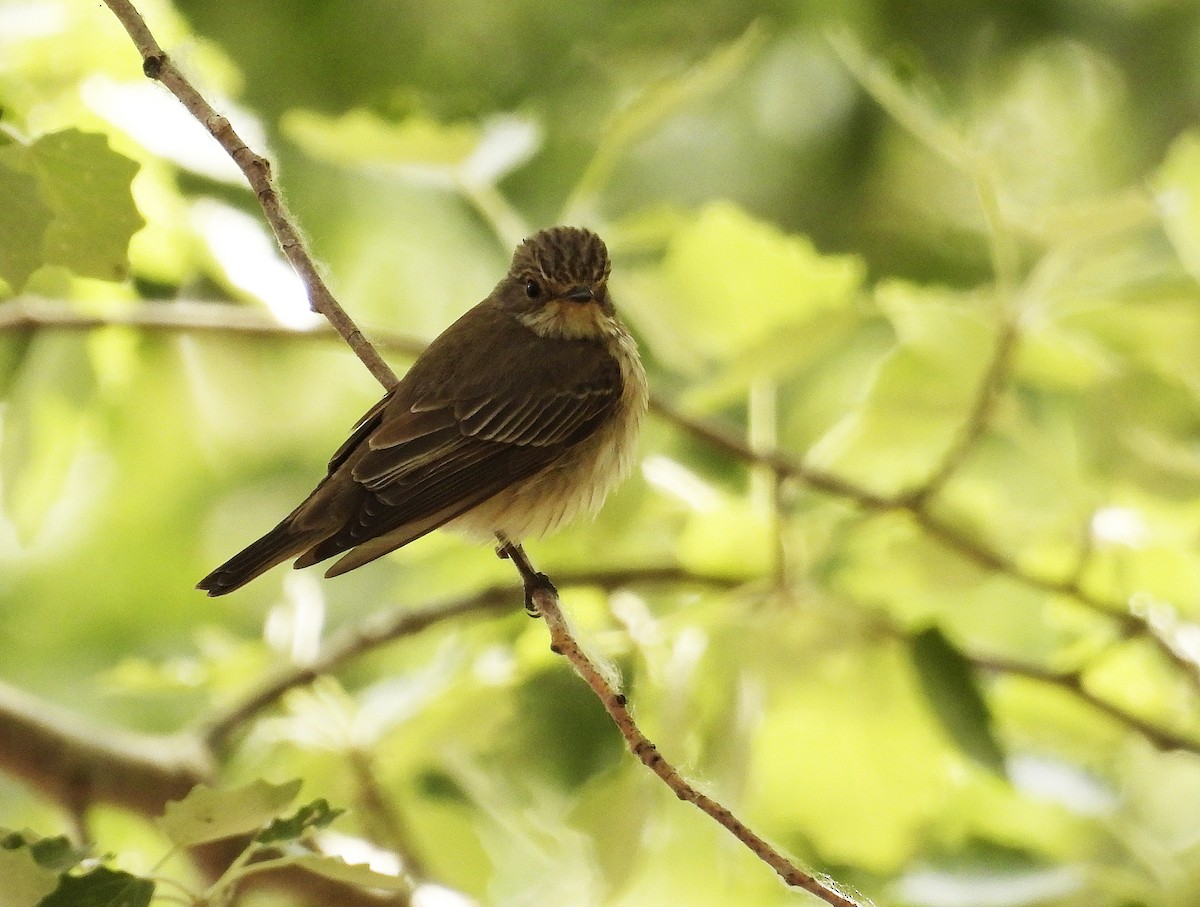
(275, 547)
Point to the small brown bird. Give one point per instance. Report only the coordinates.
(523, 414)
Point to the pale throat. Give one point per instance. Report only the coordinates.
(569, 320)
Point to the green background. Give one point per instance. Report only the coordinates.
(946, 252)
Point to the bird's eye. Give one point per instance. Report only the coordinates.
(533, 289)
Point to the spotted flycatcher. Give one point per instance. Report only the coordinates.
(523, 414)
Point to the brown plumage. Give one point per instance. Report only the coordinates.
(522, 414)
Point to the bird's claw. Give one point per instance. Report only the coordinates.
(539, 582)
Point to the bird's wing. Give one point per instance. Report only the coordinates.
(453, 435)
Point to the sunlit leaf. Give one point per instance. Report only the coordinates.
(922, 393)
(68, 202)
(727, 540)
(25, 882)
(1052, 357)
(1177, 187)
(361, 137)
(24, 217)
(352, 873)
(851, 756)
(734, 281)
(206, 814)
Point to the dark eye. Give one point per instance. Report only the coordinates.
(533, 289)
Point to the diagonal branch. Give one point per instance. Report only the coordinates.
(990, 388)
(157, 65)
(936, 527)
(1073, 682)
(542, 599)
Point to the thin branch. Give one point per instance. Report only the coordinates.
(355, 640)
(990, 388)
(157, 65)
(388, 626)
(722, 439)
(381, 816)
(936, 527)
(543, 599)
(189, 316)
(1073, 682)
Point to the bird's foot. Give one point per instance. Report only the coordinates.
(539, 582)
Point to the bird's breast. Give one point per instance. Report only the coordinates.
(577, 482)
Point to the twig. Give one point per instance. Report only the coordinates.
(157, 65)
(27, 313)
(542, 598)
(990, 387)
(1073, 682)
(368, 634)
(381, 815)
(378, 630)
(936, 527)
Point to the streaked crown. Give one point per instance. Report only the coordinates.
(562, 257)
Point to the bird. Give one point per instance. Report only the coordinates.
(521, 416)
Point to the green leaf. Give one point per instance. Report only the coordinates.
(1177, 186)
(921, 394)
(950, 687)
(361, 137)
(352, 873)
(848, 754)
(85, 185)
(728, 539)
(206, 814)
(733, 282)
(1057, 358)
(57, 853)
(102, 887)
(311, 816)
(25, 882)
(24, 217)
(67, 201)
(88, 185)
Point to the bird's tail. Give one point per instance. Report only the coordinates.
(281, 543)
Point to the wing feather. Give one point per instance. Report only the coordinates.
(457, 431)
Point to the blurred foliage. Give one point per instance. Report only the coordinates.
(946, 252)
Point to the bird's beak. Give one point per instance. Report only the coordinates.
(580, 294)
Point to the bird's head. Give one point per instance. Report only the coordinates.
(557, 284)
